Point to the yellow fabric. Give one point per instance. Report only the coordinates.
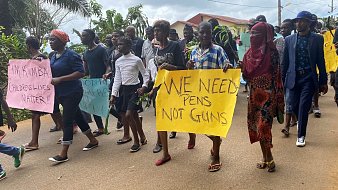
(331, 58)
(196, 101)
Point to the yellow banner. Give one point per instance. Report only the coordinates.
(196, 101)
(331, 58)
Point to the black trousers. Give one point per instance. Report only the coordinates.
(72, 112)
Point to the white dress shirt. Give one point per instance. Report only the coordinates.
(126, 73)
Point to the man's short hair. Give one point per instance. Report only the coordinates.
(163, 25)
(119, 32)
(33, 42)
(126, 40)
(188, 27)
(204, 24)
(91, 33)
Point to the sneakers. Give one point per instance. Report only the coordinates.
(90, 146)
(157, 148)
(135, 148)
(300, 142)
(317, 112)
(58, 159)
(2, 175)
(19, 156)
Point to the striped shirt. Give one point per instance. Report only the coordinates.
(211, 58)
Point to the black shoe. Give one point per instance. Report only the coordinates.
(172, 135)
(135, 148)
(58, 159)
(158, 148)
(119, 125)
(90, 146)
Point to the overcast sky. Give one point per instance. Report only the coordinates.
(173, 10)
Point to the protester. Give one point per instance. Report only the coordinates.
(16, 152)
(109, 44)
(126, 87)
(261, 67)
(67, 69)
(290, 119)
(168, 56)
(147, 48)
(209, 56)
(137, 42)
(33, 47)
(229, 46)
(188, 34)
(115, 54)
(315, 100)
(334, 75)
(299, 70)
(173, 36)
(95, 60)
(10, 120)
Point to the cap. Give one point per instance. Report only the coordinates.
(304, 15)
(261, 18)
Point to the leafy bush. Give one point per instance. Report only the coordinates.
(12, 47)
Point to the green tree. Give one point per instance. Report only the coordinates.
(138, 19)
(17, 11)
(113, 20)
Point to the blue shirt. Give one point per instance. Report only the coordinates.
(211, 58)
(68, 63)
(302, 53)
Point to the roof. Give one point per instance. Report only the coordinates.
(197, 19)
(185, 22)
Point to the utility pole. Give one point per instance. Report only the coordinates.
(280, 12)
(332, 6)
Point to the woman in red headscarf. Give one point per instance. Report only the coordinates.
(67, 69)
(261, 67)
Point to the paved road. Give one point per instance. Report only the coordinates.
(111, 166)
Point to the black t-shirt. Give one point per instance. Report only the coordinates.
(171, 54)
(96, 61)
(137, 46)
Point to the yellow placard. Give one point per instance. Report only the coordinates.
(196, 101)
(331, 58)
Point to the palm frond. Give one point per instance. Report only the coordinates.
(81, 6)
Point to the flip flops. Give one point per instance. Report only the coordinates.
(214, 167)
(29, 148)
(162, 161)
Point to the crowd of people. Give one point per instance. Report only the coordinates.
(280, 72)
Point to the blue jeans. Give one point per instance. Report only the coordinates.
(9, 150)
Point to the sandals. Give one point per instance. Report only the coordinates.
(271, 166)
(214, 167)
(286, 132)
(261, 165)
(162, 161)
(123, 141)
(29, 148)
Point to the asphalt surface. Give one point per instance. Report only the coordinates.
(111, 166)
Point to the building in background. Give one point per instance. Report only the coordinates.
(235, 25)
